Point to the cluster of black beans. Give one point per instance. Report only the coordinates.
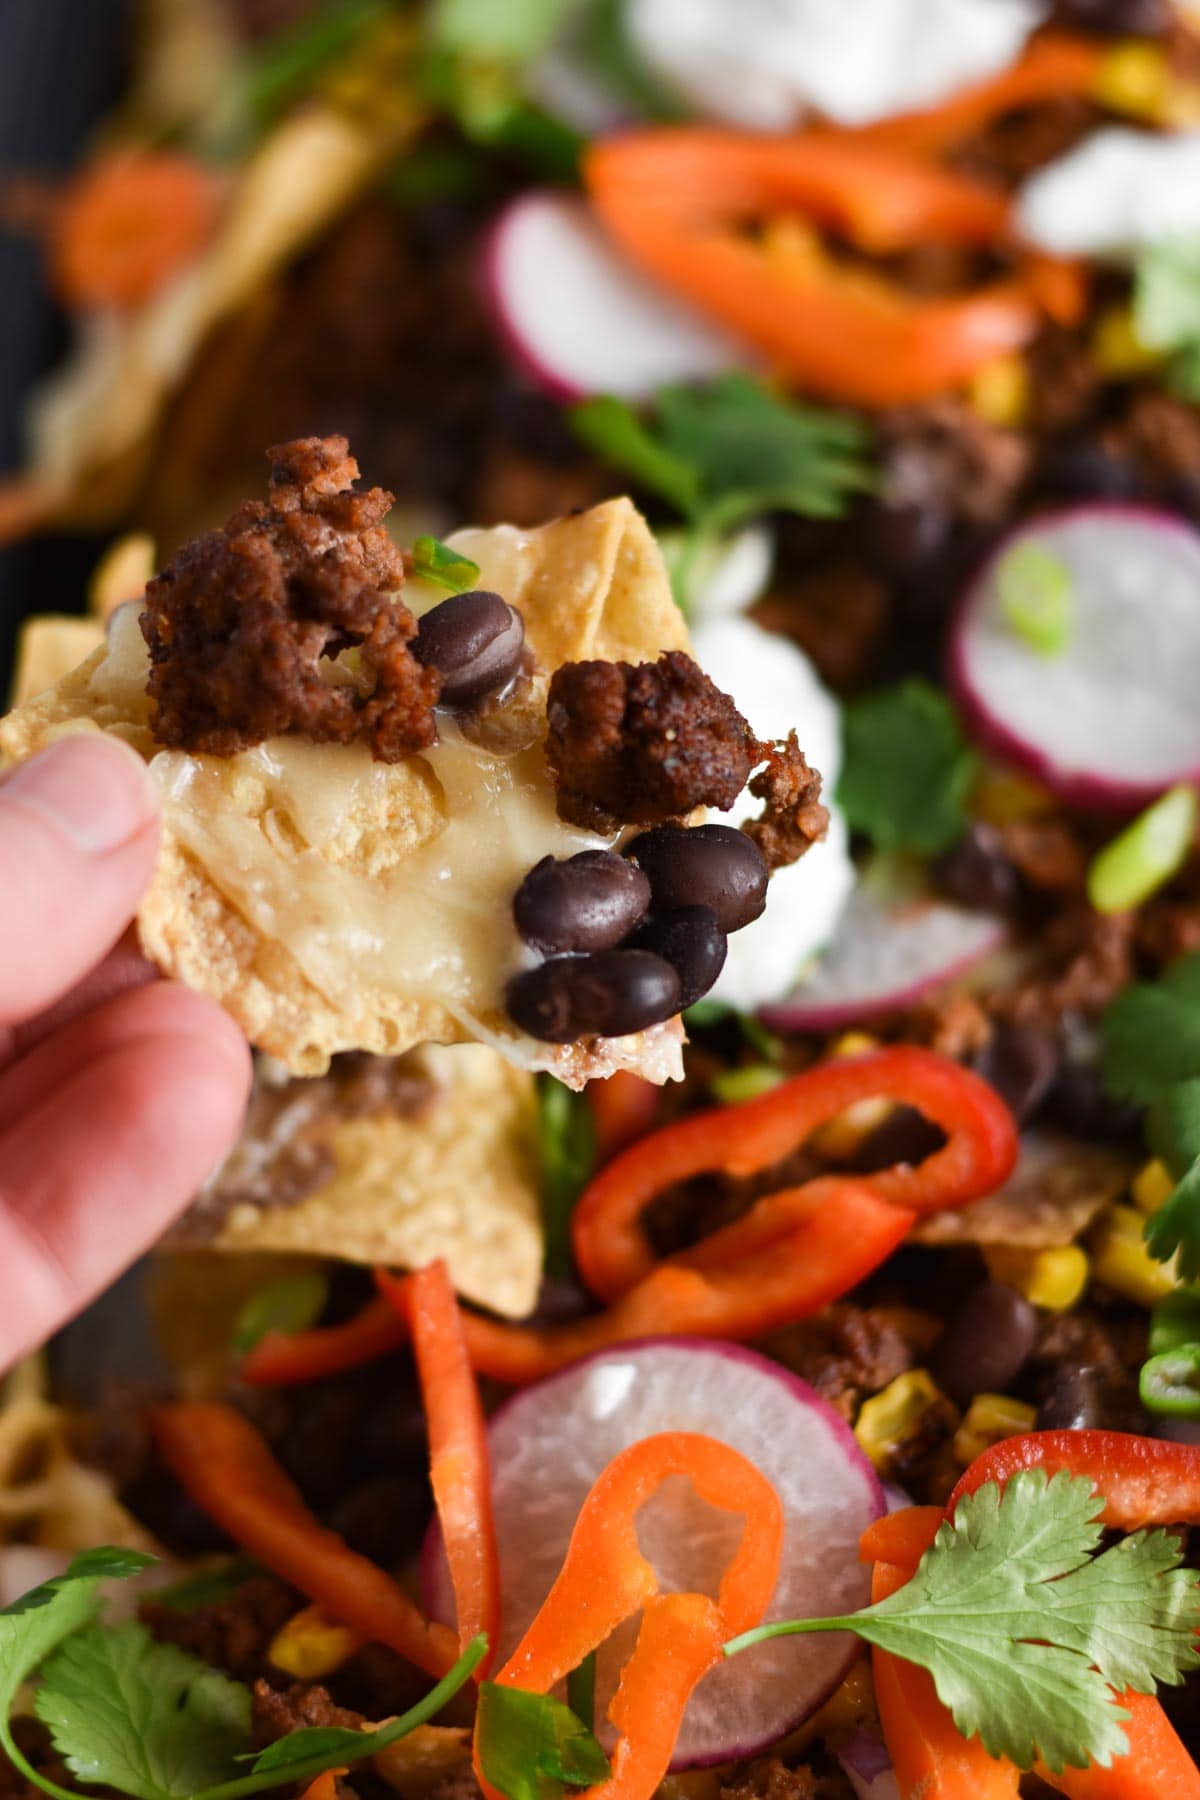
(630, 940)
(475, 641)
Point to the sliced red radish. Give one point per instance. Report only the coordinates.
(549, 1443)
(868, 1767)
(1108, 718)
(894, 943)
(578, 319)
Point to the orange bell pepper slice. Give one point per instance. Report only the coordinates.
(1145, 1481)
(228, 1469)
(1055, 65)
(459, 1468)
(793, 1252)
(605, 1579)
(687, 205)
(128, 223)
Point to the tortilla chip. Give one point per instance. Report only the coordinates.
(49, 647)
(1059, 1187)
(454, 1177)
(591, 584)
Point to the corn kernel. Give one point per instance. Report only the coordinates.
(1000, 797)
(1118, 350)
(424, 1760)
(1122, 1262)
(842, 1136)
(311, 1645)
(889, 1418)
(849, 1706)
(121, 574)
(999, 391)
(1135, 79)
(1152, 1186)
(1053, 1278)
(989, 1419)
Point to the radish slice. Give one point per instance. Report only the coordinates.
(894, 943)
(868, 1767)
(578, 319)
(1110, 719)
(550, 1442)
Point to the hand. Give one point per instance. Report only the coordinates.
(119, 1093)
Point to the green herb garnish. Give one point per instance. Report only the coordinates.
(290, 63)
(1166, 309)
(149, 1719)
(1026, 1632)
(567, 1156)
(443, 566)
(1036, 597)
(292, 1304)
(907, 769)
(1150, 1040)
(530, 1745)
(1145, 855)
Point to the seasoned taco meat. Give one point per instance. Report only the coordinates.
(639, 744)
(792, 818)
(242, 623)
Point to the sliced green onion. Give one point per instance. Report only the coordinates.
(292, 1304)
(437, 562)
(1175, 1321)
(1170, 1383)
(733, 1085)
(1037, 598)
(1145, 855)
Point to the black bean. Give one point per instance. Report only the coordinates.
(475, 640)
(607, 994)
(1082, 469)
(708, 865)
(977, 873)
(383, 1517)
(587, 902)
(1074, 1401)
(1077, 1101)
(694, 945)
(986, 1343)
(1022, 1065)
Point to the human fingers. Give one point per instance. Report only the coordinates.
(124, 967)
(78, 841)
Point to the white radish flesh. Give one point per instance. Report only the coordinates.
(551, 1441)
(1110, 720)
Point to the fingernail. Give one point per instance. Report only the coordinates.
(93, 791)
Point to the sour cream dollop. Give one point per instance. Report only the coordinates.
(775, 685)
(1118, 192)
(764, 63)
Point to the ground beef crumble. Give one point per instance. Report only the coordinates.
(641, 744)
(792, 819)
(241, 622)
(303, 1704)
(233, 1634)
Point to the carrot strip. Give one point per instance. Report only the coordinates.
(129, 223)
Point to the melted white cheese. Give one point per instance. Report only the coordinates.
(1116, 193)
(765, 63)
(776, 687)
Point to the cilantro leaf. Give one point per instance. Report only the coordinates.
(1173, 1133)
(1025, 1631)
(907, 769)
(143, 1717)
(1150, 1034)
(531, 1744)
(730, 450)
(567, 1153)
(512, 32)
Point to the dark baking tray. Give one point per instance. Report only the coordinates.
(62, 64)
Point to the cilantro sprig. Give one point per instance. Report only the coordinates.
(1027, 1633)
(531, 1745)
(729, 451)
(151, 1720)
(1150, 1037)
(907, 769)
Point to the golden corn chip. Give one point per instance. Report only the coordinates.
(50, 646)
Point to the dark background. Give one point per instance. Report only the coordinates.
(62, 64)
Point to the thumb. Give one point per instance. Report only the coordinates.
(78, 841)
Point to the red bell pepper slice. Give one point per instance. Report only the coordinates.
(459, 1468)
(605, 1579)
(228, 1469)
(1145, 1481)
(683, 205)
